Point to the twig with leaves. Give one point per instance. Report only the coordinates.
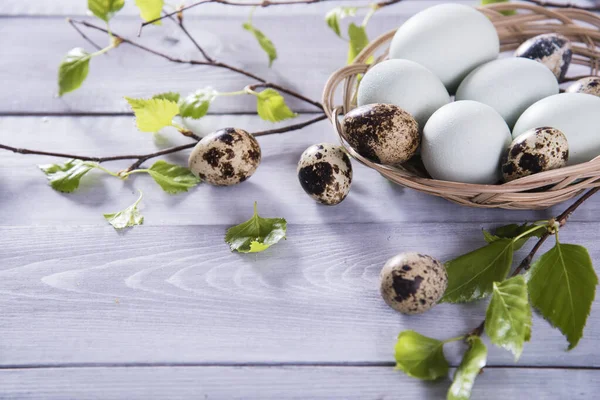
(560, 284)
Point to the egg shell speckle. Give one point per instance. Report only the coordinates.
(226, 157)
(589, 85)
(537, 150)
(383, 133)
(550, 49)
(325, 173)
(405, 84)
(576, 115)
(412, 283)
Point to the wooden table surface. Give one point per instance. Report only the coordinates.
(165, 310)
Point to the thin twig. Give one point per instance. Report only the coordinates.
(526, 263)
(264, 3)
(179, 22)
(141, 158)
(83, 35)
(554, 4)
(198, 62)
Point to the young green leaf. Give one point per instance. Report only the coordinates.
(105, 9)
(172, 178)
(473, 361)
(264, 42)
(358, 40)
(562, 286)
(150, 9)
(506, 12)
(336, 14)
(151, 115)
(508, 316)
(128, 217)
(472, 275)
(66, 177)
(257, 234)
(512, 231)
(196, 104)
(271, 106)
(420, 357)
(73, 70)
(171, 96)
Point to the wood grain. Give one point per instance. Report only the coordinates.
(30, 87)
(26, 198)
(326, 383)
(78, 295)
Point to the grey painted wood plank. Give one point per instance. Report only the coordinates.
(36, 48)
(276, 383)
(26, 198)
(73, 295)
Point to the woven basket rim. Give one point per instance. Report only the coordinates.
(567, 181)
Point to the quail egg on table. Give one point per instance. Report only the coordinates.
(405, 84)
(537, 150)
(448, 39)
(325, 173)
(589, 85)
(463, 142)
(383, 133)
(412, 283)
(551, 49)
(225, 157)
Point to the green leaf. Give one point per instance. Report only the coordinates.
(105, 9)
(506, 12)
(512, 231)
(128, 217)
(150, 9)
(271, 106)
(171, 96)
(420, 357)
(73, 70)
(264, 42)
(472, 275)
(151, 115)
(172, 178)
(256, 234)
(562, 286)
(336, 14)
(473, 361)
(358, 40)
(508, 316)
(196, 104)
(66, 177)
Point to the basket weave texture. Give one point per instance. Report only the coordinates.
(536, 191)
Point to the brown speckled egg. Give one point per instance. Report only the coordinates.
(325, 173)
(383, 133)
(412, 283)
(225, 157)
(536, 150)
(589, 85)
(551, 49)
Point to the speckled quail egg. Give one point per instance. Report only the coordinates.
(589, 85)
(551, 49)
(225, 157)
(536, 150)
(383, 133)
(412, 283)
(325, 173)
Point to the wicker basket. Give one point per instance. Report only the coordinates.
(536, 191)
